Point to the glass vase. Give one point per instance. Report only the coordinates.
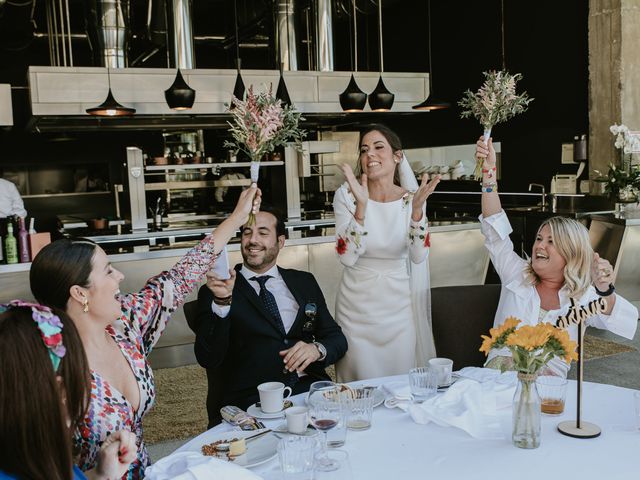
(526, 412)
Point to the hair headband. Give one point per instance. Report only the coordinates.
(49, 325)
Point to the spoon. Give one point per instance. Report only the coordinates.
(224, 446)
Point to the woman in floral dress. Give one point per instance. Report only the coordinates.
(382, 239)
(119, 331)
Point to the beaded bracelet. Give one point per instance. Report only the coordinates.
(489, 188)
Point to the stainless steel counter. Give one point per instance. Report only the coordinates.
(457, 257)
(617, 238)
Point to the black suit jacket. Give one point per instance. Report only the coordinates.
(240, 351)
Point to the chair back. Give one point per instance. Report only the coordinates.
(214, 374)
(460, 314)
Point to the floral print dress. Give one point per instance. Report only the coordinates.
(144, 317)
(374, 304)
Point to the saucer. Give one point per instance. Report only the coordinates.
(454, 379)
(257, 412)
(282, 429)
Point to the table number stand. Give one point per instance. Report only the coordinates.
(579, 428)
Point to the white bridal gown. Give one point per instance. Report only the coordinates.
(374, 301)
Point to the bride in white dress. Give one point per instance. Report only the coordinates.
(382, 239)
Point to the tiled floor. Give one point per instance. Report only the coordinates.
(622, 370)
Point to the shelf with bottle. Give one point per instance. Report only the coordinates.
(196, 166)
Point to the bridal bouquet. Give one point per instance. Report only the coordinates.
(531, 348)
(259, 125)
(495, 102)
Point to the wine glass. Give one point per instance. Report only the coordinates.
(325, 409)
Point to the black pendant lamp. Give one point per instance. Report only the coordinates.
(431, 103)
(282, 93)
(238, 89)
(353, 99)
(110, 107)
(381, 99)
(180, 96)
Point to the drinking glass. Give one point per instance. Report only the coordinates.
(296, 455)
(423, 382)
(552, 390)
(325, 410)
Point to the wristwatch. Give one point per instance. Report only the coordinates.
(322, 350)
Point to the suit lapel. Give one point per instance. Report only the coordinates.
(298, 294)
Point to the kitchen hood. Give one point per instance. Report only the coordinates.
(60, 96)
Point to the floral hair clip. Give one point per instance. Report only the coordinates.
(49, 325)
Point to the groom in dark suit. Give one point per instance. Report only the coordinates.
(263, 324)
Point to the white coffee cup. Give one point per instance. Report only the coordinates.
(297, 419)
(272, 396)
(443, 368)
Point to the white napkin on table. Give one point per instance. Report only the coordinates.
(480, 409)
(194, 466)
(398, 395)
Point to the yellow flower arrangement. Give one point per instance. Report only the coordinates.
(531, 346)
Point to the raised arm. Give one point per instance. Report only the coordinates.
(349, 206)
(490, 200)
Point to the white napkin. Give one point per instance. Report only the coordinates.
(398, 395)
(194, 466)
(479, 374)
(482, 409)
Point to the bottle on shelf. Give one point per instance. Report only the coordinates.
(23, 242)
(11, 245)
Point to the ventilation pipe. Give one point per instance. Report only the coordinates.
(108, 31)
(182, 38)
(325, 36)
(287, 35)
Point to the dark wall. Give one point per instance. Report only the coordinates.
(545, 40)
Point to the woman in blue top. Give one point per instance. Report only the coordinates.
(44, 380)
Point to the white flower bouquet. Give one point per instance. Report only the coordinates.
(495, 102)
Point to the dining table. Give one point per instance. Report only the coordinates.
(396, 447)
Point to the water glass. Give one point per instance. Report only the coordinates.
(360, 407)
(337, 436)
(553, 391)
(297, 457)
(423, 383)
(343, 472)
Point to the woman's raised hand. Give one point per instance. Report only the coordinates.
(249, 202)
(360, 190)
(486, 152)
(601, 273)
(115, 456)
(425, 189)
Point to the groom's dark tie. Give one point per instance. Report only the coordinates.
(271, 306)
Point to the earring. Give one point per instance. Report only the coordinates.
(85, 305)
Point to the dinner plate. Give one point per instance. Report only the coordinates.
(378, 396)
(257, 412)
(259, 451)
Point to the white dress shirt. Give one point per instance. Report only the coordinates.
(10, 200)
(520, 299)
(287, 305)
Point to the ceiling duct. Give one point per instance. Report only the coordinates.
(287, 35)
(325, 36)
(182, 38)
(108, 30)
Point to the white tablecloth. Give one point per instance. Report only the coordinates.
(397, 448)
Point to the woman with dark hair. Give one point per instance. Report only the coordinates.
(44, 380)
(563, 275)
(118, 331)
(382, 239)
